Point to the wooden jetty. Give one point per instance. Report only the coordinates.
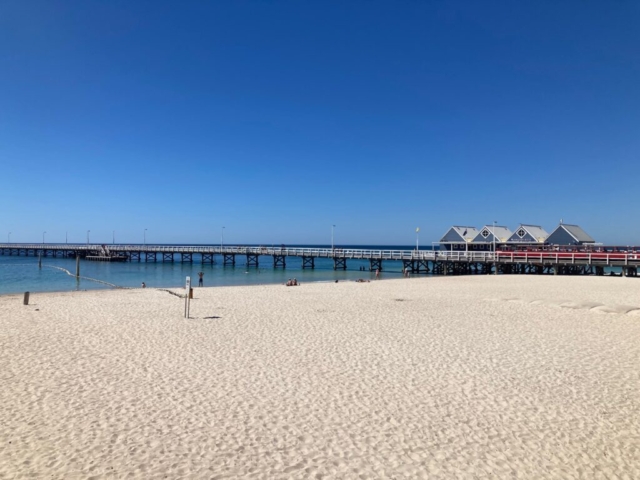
(560, 261)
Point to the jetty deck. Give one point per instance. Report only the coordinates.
(415, 261)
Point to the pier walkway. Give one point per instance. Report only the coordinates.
(415, 261)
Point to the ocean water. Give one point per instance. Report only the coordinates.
(20, 274)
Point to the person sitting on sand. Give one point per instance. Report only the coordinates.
(144, 285)
(362, 280)
(288, 284)
(295, 282)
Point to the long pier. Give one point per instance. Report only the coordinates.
(415, 261)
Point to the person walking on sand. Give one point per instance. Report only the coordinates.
(200, 280)
(377, 274)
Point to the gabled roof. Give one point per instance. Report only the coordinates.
(576, 232)
(485, 235)
(466, 234)
(536, 232)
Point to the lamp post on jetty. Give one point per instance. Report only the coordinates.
(9, 238)
(88, 232)
(113, 238)
(495, 254)
(66, 237)
(221, 238)
(144, 237)
(417, 245)
(332, 227)
(43, 236)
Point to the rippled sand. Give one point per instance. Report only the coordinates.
(454, 377)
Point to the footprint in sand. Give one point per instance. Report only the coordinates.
(619, 309)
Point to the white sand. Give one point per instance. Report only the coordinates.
(455, 377)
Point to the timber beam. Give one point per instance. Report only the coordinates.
(150, 256)
(308, 262)
(374, 264)
(229, 259)
(208, 258)
(167, 256)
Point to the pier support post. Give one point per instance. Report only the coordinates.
(421, 266)
(252, 260)
(77, 266)
(374, 264)
(280, 261)
(229, 259)
(339, 262)
(308, 262)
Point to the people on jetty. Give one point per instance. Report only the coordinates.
(200, 279)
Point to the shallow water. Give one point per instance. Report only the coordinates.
(20, 274)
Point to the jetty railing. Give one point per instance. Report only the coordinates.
(546, 256)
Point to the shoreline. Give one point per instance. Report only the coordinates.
(111, 287)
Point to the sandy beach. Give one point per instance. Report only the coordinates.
(454, 377)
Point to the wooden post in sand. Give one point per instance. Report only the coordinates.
(187, 301)
(25, 300)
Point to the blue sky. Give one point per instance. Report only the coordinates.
(277, 120)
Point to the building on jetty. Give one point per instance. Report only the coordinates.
(565, 234)
(528, 235)
(458, 238)
(489, 236)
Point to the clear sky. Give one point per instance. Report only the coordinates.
(280, 119)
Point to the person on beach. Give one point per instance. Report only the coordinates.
(200, 279)
(144, 285)
(295, 282)
(377, 274)
(288, 284)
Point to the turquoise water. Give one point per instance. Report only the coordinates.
(21, 274)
